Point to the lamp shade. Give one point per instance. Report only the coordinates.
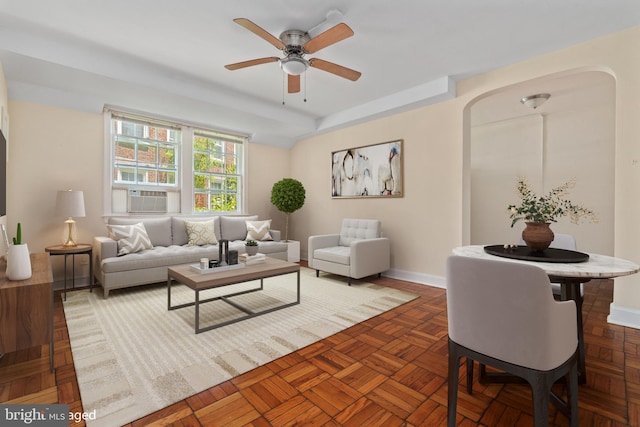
(294, 65)
(70, 203)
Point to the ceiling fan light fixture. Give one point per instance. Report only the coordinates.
(294, 65)
(534, 101)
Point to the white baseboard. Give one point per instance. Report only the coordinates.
(423, 279)
(410, 276)
(624, 316)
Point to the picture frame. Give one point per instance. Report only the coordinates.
(374, 170)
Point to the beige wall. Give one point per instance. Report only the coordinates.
(56, 149)
(424, 224)
(433, 216)
(267, 165)
(53, 148)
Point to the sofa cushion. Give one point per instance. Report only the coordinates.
(336, 254)
(130, 238)
(201, 232)
(259, 230)
(235, 227)
(158, 229)
(179, 229)
(159, 256)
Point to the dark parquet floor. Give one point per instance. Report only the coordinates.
(388, 371)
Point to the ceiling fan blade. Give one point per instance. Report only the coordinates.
(260, 32)
(251, 63)
(336, 69)
(293, 83)
(329, 37)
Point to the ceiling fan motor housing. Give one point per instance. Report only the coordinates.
(294, 63)
(294, 39)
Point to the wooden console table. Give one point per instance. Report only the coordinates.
(26, 308)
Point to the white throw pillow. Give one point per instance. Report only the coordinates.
(259, 230)
(130, 238)
(201, 233)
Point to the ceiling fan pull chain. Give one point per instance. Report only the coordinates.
(283, 83)
(305, 87)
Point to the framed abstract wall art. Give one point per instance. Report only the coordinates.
(368, 171)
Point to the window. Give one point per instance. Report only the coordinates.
(144, 153)
(201, 170)
(217, 172)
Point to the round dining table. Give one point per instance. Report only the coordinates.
(568, 274)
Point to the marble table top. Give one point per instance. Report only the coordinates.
(597, 267)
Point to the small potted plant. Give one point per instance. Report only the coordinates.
(18, 260)
(252, 247)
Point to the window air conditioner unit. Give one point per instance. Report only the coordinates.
(143, 201)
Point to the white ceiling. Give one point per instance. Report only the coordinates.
(167, 57)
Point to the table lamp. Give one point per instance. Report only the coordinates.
(70, 204)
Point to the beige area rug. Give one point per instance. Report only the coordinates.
(133, 356)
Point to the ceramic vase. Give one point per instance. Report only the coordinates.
(251, 250)
(18, 262)
(537, 235)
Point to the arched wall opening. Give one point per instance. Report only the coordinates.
(572, 135)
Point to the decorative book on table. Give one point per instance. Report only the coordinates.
(197, 269)
(251, 259)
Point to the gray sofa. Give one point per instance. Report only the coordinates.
(170, 240)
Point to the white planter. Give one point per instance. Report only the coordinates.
(18, 262)
(293, 252)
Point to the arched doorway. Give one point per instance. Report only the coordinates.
(572, 135)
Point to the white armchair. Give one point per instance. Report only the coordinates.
(358, 251)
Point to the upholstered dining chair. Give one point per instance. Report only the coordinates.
(358, 251)
(562, 241)
(502, 314)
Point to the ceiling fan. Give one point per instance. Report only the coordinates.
(296, 44)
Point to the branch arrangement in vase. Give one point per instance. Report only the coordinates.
(548, 208)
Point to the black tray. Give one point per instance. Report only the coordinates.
(526, 254)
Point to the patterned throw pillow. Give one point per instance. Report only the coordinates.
(130, 238)
(201, 233)
(259, 230)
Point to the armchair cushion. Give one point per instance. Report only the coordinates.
(358, 229)
(337, 254)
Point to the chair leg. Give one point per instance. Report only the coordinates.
(452, 386)
(379, 275)
(317, 273)
(572, 395)
(469, 375)
(349, 281)
(541, 391)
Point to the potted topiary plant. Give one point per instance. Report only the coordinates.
(251, 246)
(288, 196)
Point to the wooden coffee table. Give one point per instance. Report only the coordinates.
(203, 281)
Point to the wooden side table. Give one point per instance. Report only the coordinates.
(26, 308)
(79, 249)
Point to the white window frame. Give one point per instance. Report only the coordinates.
(185, 173)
